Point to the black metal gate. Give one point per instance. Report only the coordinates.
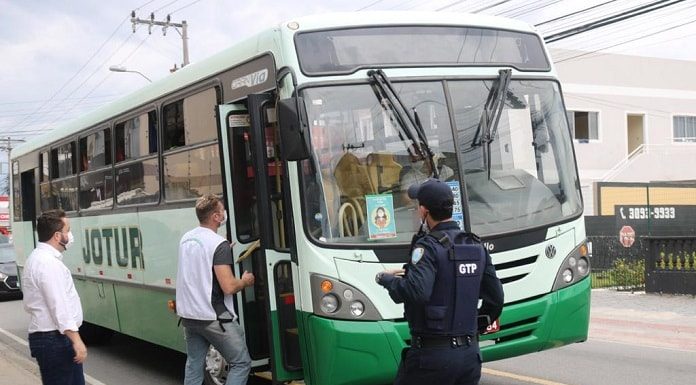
(671, 265)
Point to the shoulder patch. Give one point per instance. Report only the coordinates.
(417, 254)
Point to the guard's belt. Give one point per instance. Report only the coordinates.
(440, 341)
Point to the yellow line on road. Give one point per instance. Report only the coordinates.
(531, 380)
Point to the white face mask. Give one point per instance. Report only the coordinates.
(224, 217)
(70, 241)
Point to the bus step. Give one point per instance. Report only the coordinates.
(268, 376)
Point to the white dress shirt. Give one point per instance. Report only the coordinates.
(50, 297)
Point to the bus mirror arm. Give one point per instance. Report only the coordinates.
(250, 249)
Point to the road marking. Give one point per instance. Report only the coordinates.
(531, 380)
(21, 341)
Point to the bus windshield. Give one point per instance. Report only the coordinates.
(355, 184)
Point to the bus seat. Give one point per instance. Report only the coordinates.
(383, 170)
(352, 178)
(347, 220)
(332, 195)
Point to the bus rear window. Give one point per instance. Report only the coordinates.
(347, 50)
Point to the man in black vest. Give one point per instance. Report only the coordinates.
(440, 288)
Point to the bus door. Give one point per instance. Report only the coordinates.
(25, 203)
(255, 194)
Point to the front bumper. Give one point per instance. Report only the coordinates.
(351, 352)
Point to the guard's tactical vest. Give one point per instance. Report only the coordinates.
(194, 280)
(452, 308)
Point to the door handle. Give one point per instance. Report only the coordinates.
(247, 252)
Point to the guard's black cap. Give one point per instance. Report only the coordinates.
(434, 194)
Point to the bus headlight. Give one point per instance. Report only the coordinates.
(575, 267)
(329, 303)
(567, 276)
(332, 298)
(583, 266)
(357, 308)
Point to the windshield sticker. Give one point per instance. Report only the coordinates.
(380, 216)
(239, 120)
(457, 214)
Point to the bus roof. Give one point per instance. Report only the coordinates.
(356, 19)
(249, 48)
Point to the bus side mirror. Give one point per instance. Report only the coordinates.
(293, 129)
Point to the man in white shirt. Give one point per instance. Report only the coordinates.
(205, 288)
(53, 304)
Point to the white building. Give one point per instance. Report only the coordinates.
(634, 118)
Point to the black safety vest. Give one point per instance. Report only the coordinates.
(452, 309)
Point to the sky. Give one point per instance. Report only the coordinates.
(56, 54)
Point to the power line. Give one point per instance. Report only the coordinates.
(611, 20)
(165, 6)
(621, 33)
(78, 71)
(574, 13)
(625, 42)
(369, 5)
(185, 6)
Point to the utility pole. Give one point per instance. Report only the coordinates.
(165, 24)
(7, 146)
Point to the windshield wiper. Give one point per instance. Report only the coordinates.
(488, 125)
(409, 124)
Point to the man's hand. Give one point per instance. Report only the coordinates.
(248, 279)
(395, 272)
(78, 346)
(385, 277)
(80, 351)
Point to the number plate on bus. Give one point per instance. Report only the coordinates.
(493, 327)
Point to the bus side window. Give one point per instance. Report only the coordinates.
(191, 155)
(96, 183)
(137, 173)
(64, 179)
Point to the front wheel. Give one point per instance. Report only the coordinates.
(215, 368)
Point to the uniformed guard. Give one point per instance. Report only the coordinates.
(440, 288)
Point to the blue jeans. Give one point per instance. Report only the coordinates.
(230, 343)
(54, 353)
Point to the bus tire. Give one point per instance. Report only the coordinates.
(92, 334)
(215, 368)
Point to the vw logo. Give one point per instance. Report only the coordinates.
(550, 251)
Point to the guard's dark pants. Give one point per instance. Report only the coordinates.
(440, 366)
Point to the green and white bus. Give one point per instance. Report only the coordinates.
(306, 130)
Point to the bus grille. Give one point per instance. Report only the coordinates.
(507, 274)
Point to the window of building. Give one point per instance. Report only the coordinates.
(190, 120)
(136, 137)
(584, 124)
(684, 128)
(95, 150)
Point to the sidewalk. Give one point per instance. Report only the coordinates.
(17, 370)
(667, 321)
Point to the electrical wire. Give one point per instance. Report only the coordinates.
(611, 20)
(369, 5)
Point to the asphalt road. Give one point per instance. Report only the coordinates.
(635, 339)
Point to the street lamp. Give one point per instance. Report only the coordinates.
(118, 68)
